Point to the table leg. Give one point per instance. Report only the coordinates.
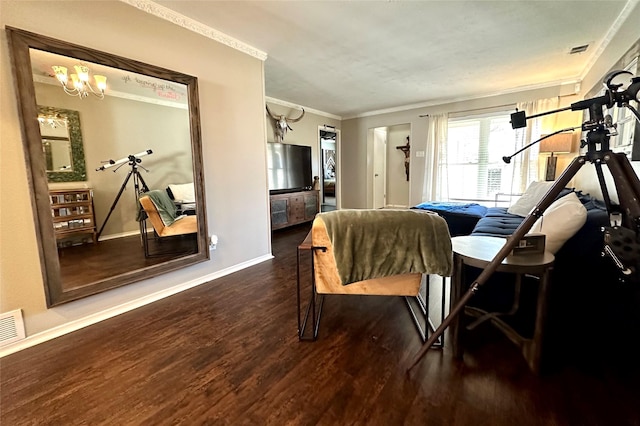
(533, 348)
(457, 281)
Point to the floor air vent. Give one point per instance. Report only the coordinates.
(11, 327)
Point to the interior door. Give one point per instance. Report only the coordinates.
(379, 167)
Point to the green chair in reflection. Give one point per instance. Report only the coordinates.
(161, 212)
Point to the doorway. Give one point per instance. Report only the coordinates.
(329, 147)
(388, 151)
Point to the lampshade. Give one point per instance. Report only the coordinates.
(560, 143)
(80, 84)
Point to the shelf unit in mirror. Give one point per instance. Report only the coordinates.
(73, 218)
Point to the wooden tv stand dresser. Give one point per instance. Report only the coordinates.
(292, 208)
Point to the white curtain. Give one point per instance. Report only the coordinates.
(525, 164)
(436, 182)
(523, 167)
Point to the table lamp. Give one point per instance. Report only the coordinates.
(558, 144)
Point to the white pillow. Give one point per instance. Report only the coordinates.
(530, 198)
(561, 221)
(183, 192)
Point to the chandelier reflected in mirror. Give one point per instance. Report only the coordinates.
(53, 121)
(79, 84)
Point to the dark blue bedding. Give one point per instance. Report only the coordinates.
(461, 218)
(467, 209)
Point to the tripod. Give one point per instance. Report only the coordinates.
(137, 180)
(627, 186)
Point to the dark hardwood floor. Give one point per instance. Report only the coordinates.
(88, 263)
(227, 352)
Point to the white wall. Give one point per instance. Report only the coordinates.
(231, 89)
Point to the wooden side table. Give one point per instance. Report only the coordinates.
(479, 251)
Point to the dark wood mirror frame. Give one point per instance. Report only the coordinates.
(20, 43)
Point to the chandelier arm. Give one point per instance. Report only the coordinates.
(99, 94)
(71, 92)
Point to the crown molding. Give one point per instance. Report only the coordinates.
(611, 33)
(167, 14)
(438, 102)
(310, 110)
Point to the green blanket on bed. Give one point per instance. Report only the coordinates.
(380, 243)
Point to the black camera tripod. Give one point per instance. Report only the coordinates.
(621, 240)
(134, 162)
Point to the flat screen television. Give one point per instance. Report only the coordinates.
(288, 167)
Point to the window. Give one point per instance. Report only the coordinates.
(475, 147)
(626, 122)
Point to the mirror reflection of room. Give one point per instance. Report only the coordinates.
(62, 144)
(329, 170)
(56, 144)
(97, 217)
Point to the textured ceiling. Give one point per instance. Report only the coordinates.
(350, 58)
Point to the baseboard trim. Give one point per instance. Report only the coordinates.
(75, 325)
(119, 235)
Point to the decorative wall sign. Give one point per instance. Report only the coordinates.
(162, 89)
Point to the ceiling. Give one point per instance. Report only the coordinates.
(350, 58)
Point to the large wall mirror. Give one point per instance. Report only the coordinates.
(92, 155)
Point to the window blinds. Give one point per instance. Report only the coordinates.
(475, 148)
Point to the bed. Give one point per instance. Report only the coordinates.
(329, 187)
